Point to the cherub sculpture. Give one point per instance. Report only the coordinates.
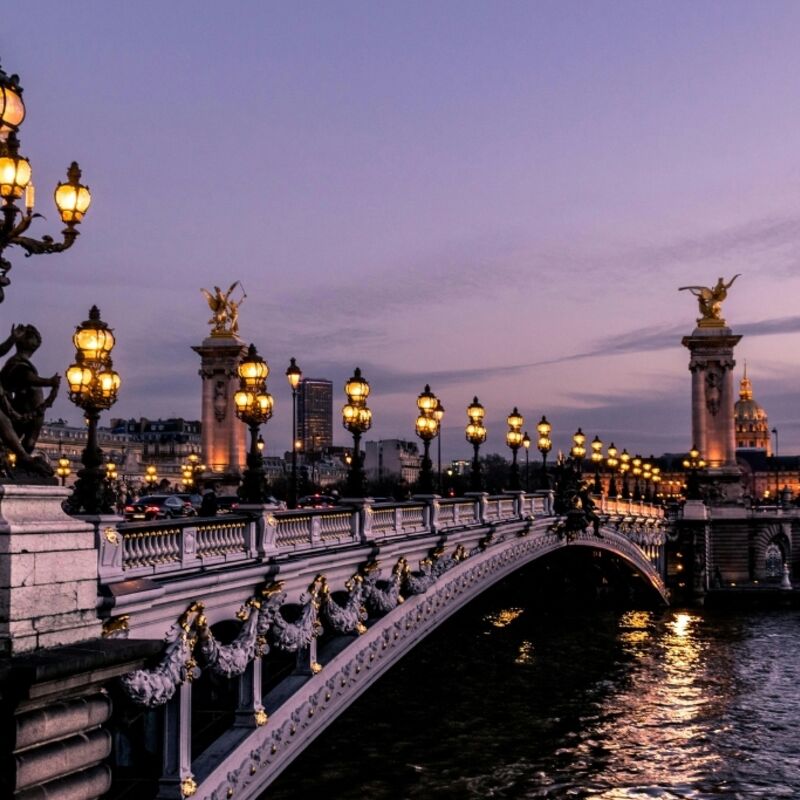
(710, 298)
(225, 309)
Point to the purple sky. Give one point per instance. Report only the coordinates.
(498, 198)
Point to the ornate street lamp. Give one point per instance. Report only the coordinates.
(260, 444)
(647, 475)
(692, 463)
(357, 419)
(578, 451)
(613, 462)
(63, 469)
(253, 407)
(93, 387)
(151, 477)
(597, 460)
(293, 375)
(439, 416)
(526, 443)
(476, 436)
(427, 428)
(656, 482)
(636, 471)
(191, 470)
(544, 445)
(624, 468)
(72, 198)
(515, 422)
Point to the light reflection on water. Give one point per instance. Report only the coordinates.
(679, 704)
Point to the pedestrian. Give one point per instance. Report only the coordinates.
(209, 505)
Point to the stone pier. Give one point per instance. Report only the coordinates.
(224, 450)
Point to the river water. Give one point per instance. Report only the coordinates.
(509, 701)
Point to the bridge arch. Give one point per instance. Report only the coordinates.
(250, 765)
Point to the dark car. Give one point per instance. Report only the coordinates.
(158, 506)
(226, 503)
(194, 500)
(317, 501)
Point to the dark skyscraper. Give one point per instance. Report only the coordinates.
(315, 414)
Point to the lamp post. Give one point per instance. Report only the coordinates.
(427, 428)
(656, 482)
(253, 407)
(93, 387)
(293, 375)
(357, 419)
(636, 471)
(63, 469)
(191, 469)
(544, 445)
(647, 474)
(613, 462)
(515, 422)
(693, 462)
(578, 450)
(526, 443)
(476, 436)
(624, 468)
(71, 197)
(597, 460)
(439, 415)
(151, 477)
(775, 464)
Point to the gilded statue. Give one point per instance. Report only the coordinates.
(225, 310)
(710, 300)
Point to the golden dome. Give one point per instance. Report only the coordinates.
(750, 419)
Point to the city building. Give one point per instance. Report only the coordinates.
(315, 415)
(388, 459)
(750, 419)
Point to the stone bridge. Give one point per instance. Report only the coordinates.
(323, 602)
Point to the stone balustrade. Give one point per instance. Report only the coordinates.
(130, 550)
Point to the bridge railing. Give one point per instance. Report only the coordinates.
(132, 550)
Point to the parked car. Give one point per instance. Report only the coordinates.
(158, 506)
(317, 501)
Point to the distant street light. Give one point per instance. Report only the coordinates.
(597, 460)
(151, 477)
(71, 197)
(624, 468)
(357, 419)
(93, 387)
(578, 451)
(476, 436)
(636, 471)
(427, 428)
(293, 375)
(693, 462)
(515, 422)
(253, 407)
(612, 462)
(439, 414)
(526, 443)
(544, 445)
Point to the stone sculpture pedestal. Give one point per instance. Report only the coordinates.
(713, 433)
(48, 571)
(224, 449)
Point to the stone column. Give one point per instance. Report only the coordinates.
(711, 364)
(224, 435)
(48, 571)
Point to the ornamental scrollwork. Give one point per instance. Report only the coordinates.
(292, 636)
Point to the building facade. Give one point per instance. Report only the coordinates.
(388, 459)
